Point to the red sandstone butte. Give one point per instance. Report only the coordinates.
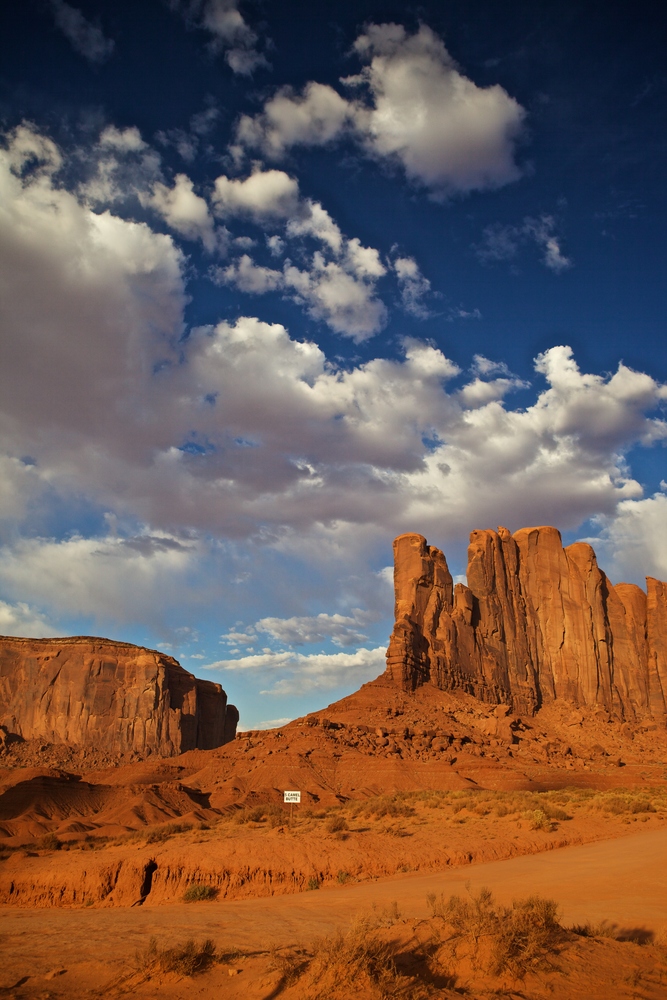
(536, 622)
(110, 695)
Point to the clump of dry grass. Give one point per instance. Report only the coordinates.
(187, 959)
(49, 842)
(518, 937)
(351, 963)
(337, 824)
(163, 833)
(270, 813)
(197, 893)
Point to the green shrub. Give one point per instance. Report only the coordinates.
(313, 882)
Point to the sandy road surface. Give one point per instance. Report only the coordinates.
(622, 880)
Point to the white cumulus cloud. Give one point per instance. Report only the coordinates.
(241, 431)
(415, 108)
(184, 211)
(304, 672)
(22, 620)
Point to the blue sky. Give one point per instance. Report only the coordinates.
(281, 281)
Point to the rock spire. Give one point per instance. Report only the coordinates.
(536, 622)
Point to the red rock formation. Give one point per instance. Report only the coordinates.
(110, 695)
(537, 622)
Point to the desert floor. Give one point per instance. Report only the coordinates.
(77, 952)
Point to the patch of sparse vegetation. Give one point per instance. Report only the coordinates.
(519, 937)
(270, 813)
(337, 824)
(197, 893)
(313, 883)
(539, 820)
(346, 964)
(589, 930)
(49, 842)
(187, 959)
(162, 833)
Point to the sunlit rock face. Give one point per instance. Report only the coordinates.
(536, 622)
(111, 695)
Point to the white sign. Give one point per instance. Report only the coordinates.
(292, 797)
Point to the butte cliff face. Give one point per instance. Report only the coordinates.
(111, 695)
(536, 622)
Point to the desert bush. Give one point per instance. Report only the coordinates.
(187, 959)
(343, 877)
(356, 962)
(49, 842)
(384, 916)
(313, 883)
(520, 937)
(589, 930)
(470, 918)
(539, 820)
(289, 965)
(165, 832)
(336, 824)
(554, 812)
(271, 813)
(525, 936)
(642, 806)
(388, 805)
(627, 802)
(256, 815)
(196, 893)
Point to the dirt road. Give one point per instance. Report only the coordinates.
(623, 881)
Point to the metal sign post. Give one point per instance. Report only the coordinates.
(292, 797)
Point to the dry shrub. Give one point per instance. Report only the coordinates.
(554, 812)
(186, 959)
(539, 820)
(337, 824)
(354, 963)
(197, 893)
(630, 801)
(589, 930)
(527, 934)
(388, 805)
(165, 832)
(271, 813)
(49, 842)
(519, 937)
(290, 965)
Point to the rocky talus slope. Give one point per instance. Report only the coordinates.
(537, 622)
(112, 696)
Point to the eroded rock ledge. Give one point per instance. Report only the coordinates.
(536, 622)
(110, 695)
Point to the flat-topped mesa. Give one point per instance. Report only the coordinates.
(536, 622)
(111, 695)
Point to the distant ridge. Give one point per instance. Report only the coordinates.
(110, 695)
